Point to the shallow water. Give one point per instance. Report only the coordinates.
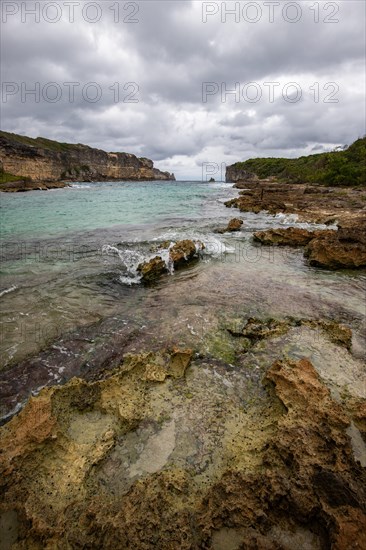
(69, 261)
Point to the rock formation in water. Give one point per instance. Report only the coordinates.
(43, 160)
(180, 254)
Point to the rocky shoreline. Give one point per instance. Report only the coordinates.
(174, 448)
(22, 186)
(285, 470)
(344, 248)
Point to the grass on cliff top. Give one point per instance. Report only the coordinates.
(343, 168)
(8, 178)
(39, 142)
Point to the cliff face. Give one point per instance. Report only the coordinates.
(45, 160)
(236, 173)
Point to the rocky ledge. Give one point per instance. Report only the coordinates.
(21, 186)
(315, 203)
(43, 160)
(169, 452)
(342, 249)
(346, 207)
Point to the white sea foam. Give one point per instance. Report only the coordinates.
(293, 220)
(7, 290)
(80, 186)
(131, 258)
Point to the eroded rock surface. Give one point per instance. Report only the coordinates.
(153, 269)
(160, 455)
(233, 225)
(333, 253)
(314, 203)
(291, 236)
(184, 252)
(179, 254)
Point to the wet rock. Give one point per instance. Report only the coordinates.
(284, 476)
(156, 367)
(160, 246)
(184, 252)
(22, 186)
(179, 362)
(152, 270)
(337, 333)
(307, 494)
(274, 197)
(231, 203)
(233, 225)
(353, 231)
(291, 236)
(332, 253)
(256, 329)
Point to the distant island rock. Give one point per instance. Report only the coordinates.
(27, 163)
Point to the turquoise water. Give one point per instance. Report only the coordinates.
(102, 205)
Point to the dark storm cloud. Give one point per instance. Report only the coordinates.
(169, 54)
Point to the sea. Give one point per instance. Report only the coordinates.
(72, 300)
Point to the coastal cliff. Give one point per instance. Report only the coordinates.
(235, 173)
(346, 167)
(43, 160)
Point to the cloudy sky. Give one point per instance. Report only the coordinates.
(154, 77)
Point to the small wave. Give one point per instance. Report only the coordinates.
(7, 290)
(129, 281)
(293, 220)
(80, 186)
(131, 258)
(213, 245)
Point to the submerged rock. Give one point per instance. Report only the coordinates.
(233, 225)
(256, 329)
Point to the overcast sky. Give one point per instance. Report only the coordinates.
(160, 70)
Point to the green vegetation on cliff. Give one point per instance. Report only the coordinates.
(8, 178)
(40, 142)
(347, 167)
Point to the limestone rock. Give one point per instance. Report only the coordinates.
(183, 252)
(179, 362)
(233, 225)
(291, 236)
(152, 270)
(285, 476)
(332, 253)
